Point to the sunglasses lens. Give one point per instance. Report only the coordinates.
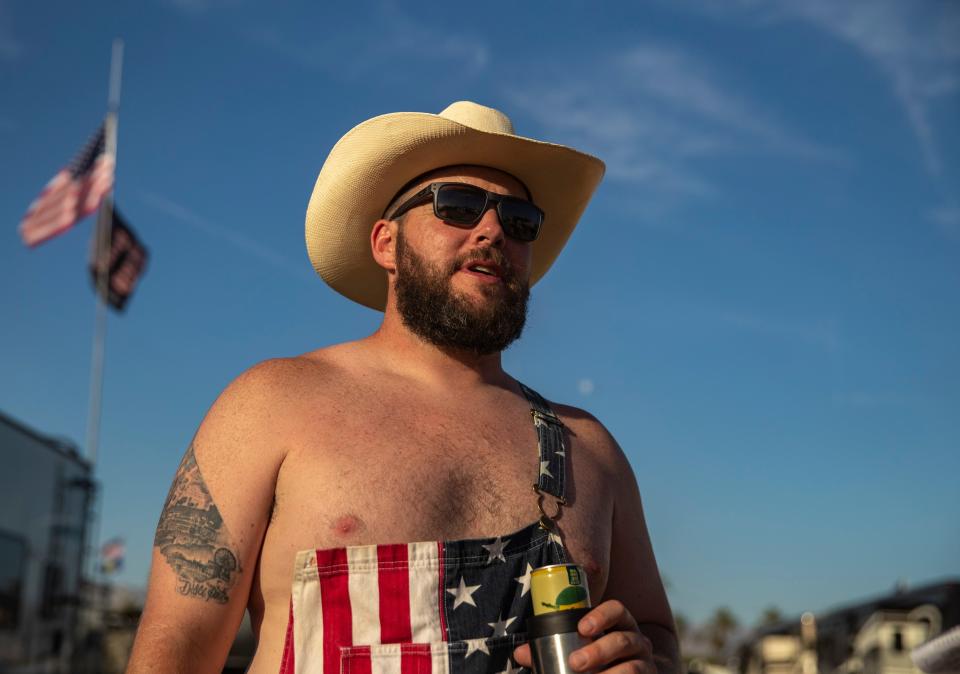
(520, 219)
(460, 205)
(464, 205)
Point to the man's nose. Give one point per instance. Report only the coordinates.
(489, 228)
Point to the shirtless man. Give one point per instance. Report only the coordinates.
(370, 503)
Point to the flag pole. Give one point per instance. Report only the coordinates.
(101, 248)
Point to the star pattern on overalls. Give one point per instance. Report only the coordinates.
(545, 468)
(463, 594)
(475, 645)
(500, 626)
(524, 580)
(495, 550)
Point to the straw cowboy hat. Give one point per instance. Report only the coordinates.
(375, 159)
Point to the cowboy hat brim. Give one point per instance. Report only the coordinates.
(378, 157)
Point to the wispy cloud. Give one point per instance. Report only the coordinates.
(10, 46)
(409, 35)
(398, 38)
(669, 111)
(255, 248)
(585, 386)
(687, 314)
(633, 141)
(915, 44)
(869, 400)
(947, 218)
(200, 6)
(818, 333)
(678, 80)
(374, 46)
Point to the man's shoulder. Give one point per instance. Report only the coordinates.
(276, 387)
(582, 423)
(290, 376)
(588, 433)
(263, 405)
(278, 374)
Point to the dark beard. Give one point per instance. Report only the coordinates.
(430, 309)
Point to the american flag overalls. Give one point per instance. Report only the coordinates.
(437, 607)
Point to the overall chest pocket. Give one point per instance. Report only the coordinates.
(471, 656)
(385, 609)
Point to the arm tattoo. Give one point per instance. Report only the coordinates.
(193, 539)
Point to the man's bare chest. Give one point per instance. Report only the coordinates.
(436, 477)
(391, 475)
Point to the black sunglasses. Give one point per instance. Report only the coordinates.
(463, 205)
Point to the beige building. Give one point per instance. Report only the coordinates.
(774, 654)
(872, 637)
(883, 644)
(784, 653)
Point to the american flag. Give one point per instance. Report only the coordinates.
(440, 607)
(111, 555)
(71, 195)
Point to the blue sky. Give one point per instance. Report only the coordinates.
(761, 302)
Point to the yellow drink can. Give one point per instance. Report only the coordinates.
(559, 587)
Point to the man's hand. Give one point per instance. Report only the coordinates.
(619, 646)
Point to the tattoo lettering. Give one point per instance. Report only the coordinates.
(193, 539)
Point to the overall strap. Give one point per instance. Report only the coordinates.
(552, 476)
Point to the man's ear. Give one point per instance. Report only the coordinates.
(383, 243)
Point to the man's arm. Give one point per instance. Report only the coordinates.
(211, 529)
(634, 577)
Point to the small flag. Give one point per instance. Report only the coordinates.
(111, 555)
(71, 195)
(124, 263)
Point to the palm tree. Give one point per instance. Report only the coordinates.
(770, 616)
(682, 625)
(720, 626)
